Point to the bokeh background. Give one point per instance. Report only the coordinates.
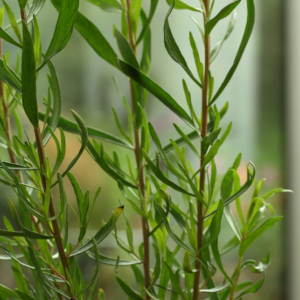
(255, 95)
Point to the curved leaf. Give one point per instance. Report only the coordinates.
(103, 259)
(171, 233)
(178, 4)
(108, 5)
(146, 26)
(132, 294)
(102, 233)
(29, 98)
(257, 233)
(10, 77)
(154, 89)
(72, 127)
(53, 121)
(93, 36)
(99, 159)
(8, 38)
(221, 15)
(16, 167)
(245, 39)
(6, 292)
(173, 48)
(242, 190)
(63, 29)
(84, 141)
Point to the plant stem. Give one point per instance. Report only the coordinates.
(202, 174)
(43, 168)
(140, 169)
(55, 226)
(6, 117)
(8, 137)
(236, 280)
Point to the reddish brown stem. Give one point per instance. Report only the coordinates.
(202, 173)
(42, 159)
(23, 15)
(140, 169)
(54, 223)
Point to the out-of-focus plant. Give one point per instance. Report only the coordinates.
(41, 244)
(183, 271)
(207, 195)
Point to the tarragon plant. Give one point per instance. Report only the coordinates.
(181, 269)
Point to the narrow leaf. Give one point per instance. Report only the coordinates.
(63, 29)
(154, 89)
(245, 39)
(29, 97)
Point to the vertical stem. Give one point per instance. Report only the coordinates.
(6, 117)
(8, 137)
(202, 174)
(236, 280)
(145, 225)
(55, 226)
(42, 159)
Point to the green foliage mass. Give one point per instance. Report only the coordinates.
(182, 269)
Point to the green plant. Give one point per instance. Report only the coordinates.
(206, 195)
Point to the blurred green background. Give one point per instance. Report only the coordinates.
(255, 98)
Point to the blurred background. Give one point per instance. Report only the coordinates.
(257, 107)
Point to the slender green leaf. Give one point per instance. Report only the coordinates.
(216, 289)
(95, 275)
(13, 22)
(17, 167)
(125, 49)
(84, 140)
(166, 160)
(178, 4)
(23, 296)
(171, 233)
(93, 36)
(257, 233)
(275, 191)
(99, 158)
(63, 29)
(41, 276)
(6, 292)
(102, 233)
(146, 26)
(103, 259)
(209, 140)
(245, 39)
(186, 139)
(187, 264)
(253, 289)
(29, 97)
(215, 226)
(154, 89)
(160, 175)
(108, 5)
(173, 48)
(8, 38)
(226, 11)
(175, 283)
(72, 127)
(242, 190)
(216, 49)
(55, 118)
(128, 290)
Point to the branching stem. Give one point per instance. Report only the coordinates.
(202, 174)
(42, 159)
(140, 169)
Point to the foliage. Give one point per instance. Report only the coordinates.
(207, 196)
